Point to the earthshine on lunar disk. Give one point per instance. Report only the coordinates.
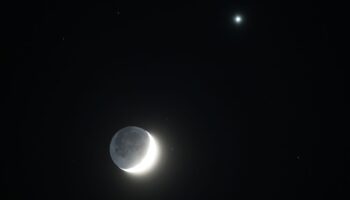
(133, 150)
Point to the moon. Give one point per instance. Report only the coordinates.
(134, 150)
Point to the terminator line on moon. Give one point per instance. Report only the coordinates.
(133, 150)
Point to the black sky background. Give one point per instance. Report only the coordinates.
(241, 112)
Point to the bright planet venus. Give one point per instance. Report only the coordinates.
(133, 150)
(238, 19)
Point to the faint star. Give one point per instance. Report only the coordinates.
(117, 11)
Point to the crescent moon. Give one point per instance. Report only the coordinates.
(148, 160)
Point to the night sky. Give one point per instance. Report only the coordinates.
(241, 111)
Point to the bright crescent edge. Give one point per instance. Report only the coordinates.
(148, 160)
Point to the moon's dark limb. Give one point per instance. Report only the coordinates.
(129, 146)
